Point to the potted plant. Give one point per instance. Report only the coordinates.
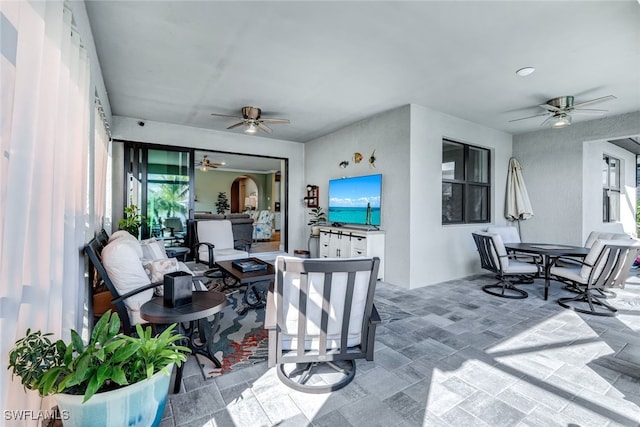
(222, 205)
(113, 380)
(132, 220)
(318, 217)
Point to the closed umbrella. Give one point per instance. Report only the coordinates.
(517, 205)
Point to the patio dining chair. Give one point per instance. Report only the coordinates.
(494, 257)
(606, 266)
(321, 318)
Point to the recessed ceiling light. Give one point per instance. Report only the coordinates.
(525, 71)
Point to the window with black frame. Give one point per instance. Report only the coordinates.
(466, 185)
(610, 189)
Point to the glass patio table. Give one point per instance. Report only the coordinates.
(548, 252)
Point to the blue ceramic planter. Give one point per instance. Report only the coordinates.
(140, 405)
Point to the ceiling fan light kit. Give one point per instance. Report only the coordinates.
(561, 121)
(207, 164)
(560, 110)
(252, 120)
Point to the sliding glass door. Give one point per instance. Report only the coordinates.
(159, 182)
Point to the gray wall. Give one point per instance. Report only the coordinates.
(419, 250)
(564, 183)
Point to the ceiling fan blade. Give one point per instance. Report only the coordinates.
(285, 121)
(235, 125)
(550, 107)
(593, 101)
(588, 111)
(263, 127)
(226, 115)
(529, 117)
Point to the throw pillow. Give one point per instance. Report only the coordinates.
(122, 263)
(157, 268)
(153, 249)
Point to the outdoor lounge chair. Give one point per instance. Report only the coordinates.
(320, 316)
(606, 266)
(215, 242)
(494, 257)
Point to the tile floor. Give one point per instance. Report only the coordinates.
(452, 355)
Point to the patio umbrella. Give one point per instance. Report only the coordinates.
(517, 205)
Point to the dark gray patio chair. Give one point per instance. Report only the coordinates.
(321, 317)
(494, 257)
(606, 266)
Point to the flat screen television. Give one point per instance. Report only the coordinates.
(355, 200)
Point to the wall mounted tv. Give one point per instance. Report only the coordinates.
(355, 200)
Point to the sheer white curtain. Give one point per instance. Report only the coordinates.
(43, 168)
(99, 173)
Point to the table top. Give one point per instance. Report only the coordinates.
(203, 304)
(551, 249)
(249, 276)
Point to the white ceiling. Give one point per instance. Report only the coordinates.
(325, 65)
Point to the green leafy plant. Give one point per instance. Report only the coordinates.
(317, 216)
(132, 220)
(110, 360)
(222, 205)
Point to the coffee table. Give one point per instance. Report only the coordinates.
(549, 252)
(203, 305)
(252, 297)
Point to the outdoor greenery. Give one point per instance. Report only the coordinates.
(132, 220)
(111, 360)
(168, 198)
(222, 205)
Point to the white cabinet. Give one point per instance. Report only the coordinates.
(342, 242)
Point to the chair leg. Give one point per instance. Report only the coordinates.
(507, 290)
(590, 300)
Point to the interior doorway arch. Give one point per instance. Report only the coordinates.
(244, 194)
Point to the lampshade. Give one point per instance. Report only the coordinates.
(561, 121)
(251, 128)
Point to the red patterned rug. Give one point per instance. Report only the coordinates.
(241, 338)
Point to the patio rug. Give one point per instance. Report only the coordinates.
(241, 338)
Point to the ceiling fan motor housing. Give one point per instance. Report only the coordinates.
(251, 113)
(561, 102)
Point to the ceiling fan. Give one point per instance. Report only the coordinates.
(252, 120)
(207, 164)
(561, 109)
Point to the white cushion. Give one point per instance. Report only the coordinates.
(125, 270)
(153, 249)
(520, 267)
(126, 236)
(509, 234)
(595, 235)
(571, 272)
(291, 286)
(122, 234)
(220, 234)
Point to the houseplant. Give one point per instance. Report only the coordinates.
(114, 379)
(132, 220)
(222, 205)
(318, 217)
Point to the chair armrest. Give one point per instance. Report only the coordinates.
(242, 244)
(569, 260)
(135, 292)
(210, 247)
(270, 313)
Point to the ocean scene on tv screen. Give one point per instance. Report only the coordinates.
(350, 198)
